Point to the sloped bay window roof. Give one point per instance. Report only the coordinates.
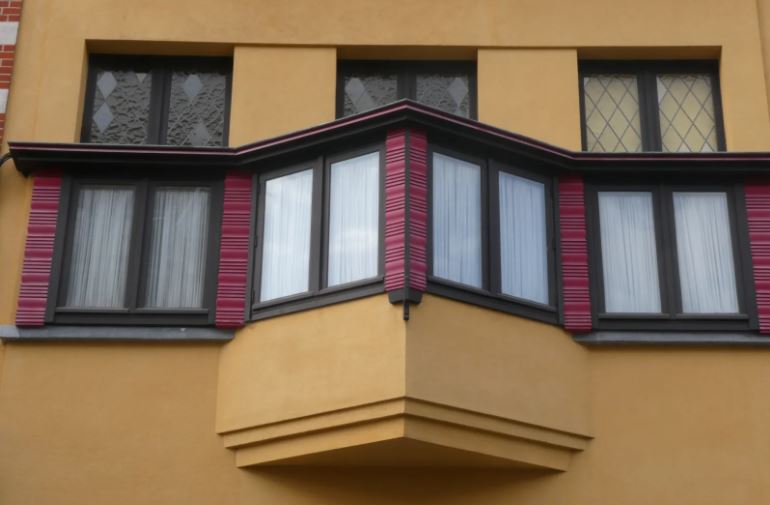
(504, 221)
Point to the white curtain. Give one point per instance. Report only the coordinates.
(354, 219)
(456, 220)
(523, 243)
(704, 248)
(100, 244)
(286, 242)
(177, 262)
(629, 253)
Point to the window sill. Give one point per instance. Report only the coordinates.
(323, 298)
(115, 333)
(683, 338)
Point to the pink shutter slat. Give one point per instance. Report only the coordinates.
(574, 255)
(234, 251)
(39, 250)
(758, 214)
(406, 210)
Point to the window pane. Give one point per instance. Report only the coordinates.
(612, 113)
(177, 262)
(449, 92)
(456, 220)
(704, 248)
(286, 243)
(354, 219)
(629, 253)
(686, 110)
(196, 110)
(364, 91)
(121, 106)
(523, 243)
(100, 244)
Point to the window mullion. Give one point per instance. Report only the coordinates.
(670, 268)
(319, 227)
(162, 112)
(492, 229)
(650, 115)
(136, 257)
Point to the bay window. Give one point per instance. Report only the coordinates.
(318, 231)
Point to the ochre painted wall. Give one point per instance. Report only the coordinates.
(137, 423)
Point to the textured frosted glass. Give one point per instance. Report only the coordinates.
(448, 92)
(686, 111)
(456, 220)
(196, 113)
(100, 245)
(629, 254)
(523, 243)
(354, 219)
(612, 113)
(286, 243)
(364, 91)
(704, 249)
(177, 263)
(121, 107)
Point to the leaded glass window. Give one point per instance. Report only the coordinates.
(180, 101)
(638, 106)
(448, 86)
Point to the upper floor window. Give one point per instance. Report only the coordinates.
(137, 250)
(669, 252)
(151, 100)
(670, 106)
(447, 85)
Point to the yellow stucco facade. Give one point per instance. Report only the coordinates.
(160, 423)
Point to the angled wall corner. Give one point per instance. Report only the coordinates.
(456, 385)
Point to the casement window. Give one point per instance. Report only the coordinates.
(448, 86)
(670, 254)
(136, 251)
(153, 100)
(319, 230)
(491, 234)
(669, 106)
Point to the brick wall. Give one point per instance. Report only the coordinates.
(10, 13)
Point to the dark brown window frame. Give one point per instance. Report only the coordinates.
(319, 294)
(490, 293)
(671, 317)
(407, 71)
(646, 72)
(134, 313)
(161, 68)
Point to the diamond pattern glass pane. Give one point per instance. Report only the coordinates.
(368, 91)
(686, 109)
(448, 92)
(612, 113)
(121, 107)
(196, 112)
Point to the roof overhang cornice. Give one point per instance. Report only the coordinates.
(36, 156)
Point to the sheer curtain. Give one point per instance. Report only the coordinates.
(523, 243)
(629, 253)
(286, 241)
(704, 248)
(354, 204)
(177, 262)
(100, 244)
(456, 220)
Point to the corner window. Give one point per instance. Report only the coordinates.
(138, 252)
(668, 106)
(319, 231)
(151, 100)
(448, 86)
(491, 234)
(669, 253)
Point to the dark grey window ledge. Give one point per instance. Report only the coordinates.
(684, 338)
(110, 333)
